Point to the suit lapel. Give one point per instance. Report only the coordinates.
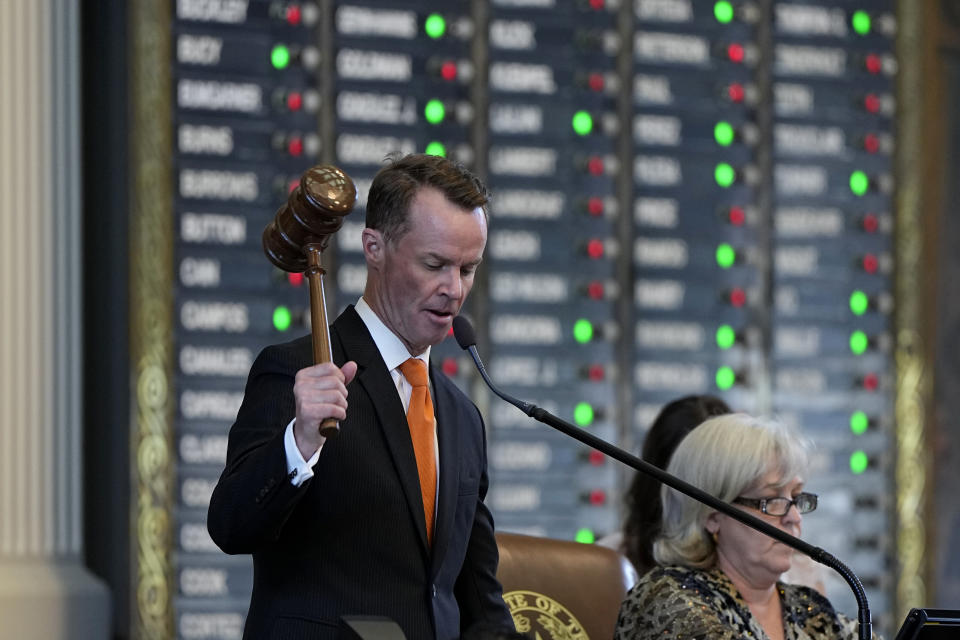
(449, 446)
(375, 379)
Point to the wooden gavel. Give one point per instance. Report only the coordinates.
(296, 237)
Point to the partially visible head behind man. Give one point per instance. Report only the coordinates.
(675, 420)
(395, 185)
(725, 456)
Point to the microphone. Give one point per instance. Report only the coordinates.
(467, 339)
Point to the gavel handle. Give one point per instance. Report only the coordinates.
(318, 321)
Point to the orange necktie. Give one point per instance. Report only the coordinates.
(420, 420)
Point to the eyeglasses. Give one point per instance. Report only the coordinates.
(804, 502)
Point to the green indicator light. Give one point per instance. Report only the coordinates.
(859, 182)
(725, 377)
(280, 57)
(582, 331)
(723, 134)
(582, 123)
(435, 26)
(436, 149)
(724, 175)
(726, 336)
(859, 422)
(726, 255)
(583, 414)
(858, 462)
(858, 342)
(723, 11)
(282, 318)
(861, 22)
(859, 302)
(585, 536)
(434, 112)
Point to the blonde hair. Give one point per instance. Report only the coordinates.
(724, 456)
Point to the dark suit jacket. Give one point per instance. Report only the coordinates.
(352, 540)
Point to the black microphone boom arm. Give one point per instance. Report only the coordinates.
(465, 336)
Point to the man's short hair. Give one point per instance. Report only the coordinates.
(396, 184)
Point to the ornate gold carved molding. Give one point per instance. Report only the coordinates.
(914, 373)
(151, 317)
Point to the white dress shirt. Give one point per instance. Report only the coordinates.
(394, 353)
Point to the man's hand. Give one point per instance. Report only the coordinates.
(320, 392)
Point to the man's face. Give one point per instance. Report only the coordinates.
(418, 281)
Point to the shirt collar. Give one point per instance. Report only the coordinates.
(391, 349)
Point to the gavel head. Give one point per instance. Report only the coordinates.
(313, 212)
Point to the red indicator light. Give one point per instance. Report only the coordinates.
(596, 372)
(295, 146)
(595, 165)
(295, 279)
(294, 14)
(871, 142)
(596, 5)
(871, 381)
(448, 71)
(450, 331)
(596, 458)
(870, 223)
(736, 92)
(595, 82)
(450, 366)
(873, 63)
(737, 297)
(598, 497)
(595, 248)
(737, 216)
(871, 102)
(735, 52)
(294, 101)
(595, 289)
(595, 206)
(870, 263)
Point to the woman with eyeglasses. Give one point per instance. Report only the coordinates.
(716, 577)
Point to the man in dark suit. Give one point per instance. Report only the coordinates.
(387, 518)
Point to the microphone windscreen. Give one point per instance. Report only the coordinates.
(463, 332)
